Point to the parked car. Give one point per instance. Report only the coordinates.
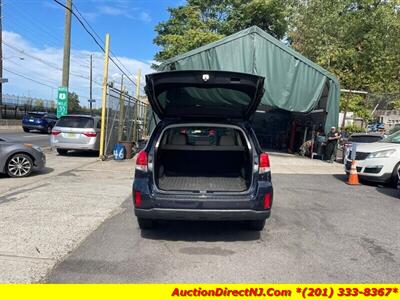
(76, 132)
(18, 160)
(203, 160)
(378, 162)
(360, 138)
(41, 121)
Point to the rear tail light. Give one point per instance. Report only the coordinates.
(137, 198)
(267, 201)
(55, 132)
(141, 161)
(264, 165)
(90, 134)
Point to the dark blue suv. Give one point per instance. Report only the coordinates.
(41, 121)
(203, 160)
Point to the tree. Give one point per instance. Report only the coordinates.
(268, 15)
(357, 40)
(73, 103)
(200, 22)
(38, 104)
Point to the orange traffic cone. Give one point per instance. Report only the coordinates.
(353, 176)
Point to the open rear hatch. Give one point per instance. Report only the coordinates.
(204, 94)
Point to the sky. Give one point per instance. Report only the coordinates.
(33, 33)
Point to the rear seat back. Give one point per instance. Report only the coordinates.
(227, 140)
(178, 139)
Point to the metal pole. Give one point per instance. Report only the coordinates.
(67, 44)
(91, 86)
(104, 96)
(121, 110)
(135, 115)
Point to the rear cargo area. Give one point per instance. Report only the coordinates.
(203, 159)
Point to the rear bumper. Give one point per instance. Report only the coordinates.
(202, 214)
(32, 126)
(72, 146)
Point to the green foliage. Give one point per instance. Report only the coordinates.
(199, 22)
(73, 103)
(358, 41)
(350, 129)
(357, 105)
(38, 104)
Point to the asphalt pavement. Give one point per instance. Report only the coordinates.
(321, 230)
(34, 137)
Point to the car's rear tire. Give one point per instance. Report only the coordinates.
(19, 165)
(256, 225)
(145, 223)
(48, 130)
(25, 129)
(62, 151)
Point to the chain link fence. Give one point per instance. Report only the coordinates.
(127, 119)
(15, 107)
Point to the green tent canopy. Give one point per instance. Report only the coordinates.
(293, 82)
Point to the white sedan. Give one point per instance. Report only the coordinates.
(378, 162)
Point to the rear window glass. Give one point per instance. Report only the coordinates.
(195, 98)
(365, 139)
(203, 136)
(76, 122)
(35, 115)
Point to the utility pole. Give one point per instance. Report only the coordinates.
(91, 85)
(67, 44)
(121, 110)
(104, 96)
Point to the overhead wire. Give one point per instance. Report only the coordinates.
(33, 80)
(47, 63)
(100, 38)
(95, 40)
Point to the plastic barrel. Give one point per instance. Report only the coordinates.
(119, 152)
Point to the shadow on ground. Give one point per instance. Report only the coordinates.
(191, 231)
(388, 191)
(385, 189)
(76, 153)
(34, 173)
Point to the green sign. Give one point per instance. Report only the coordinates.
(62, 102)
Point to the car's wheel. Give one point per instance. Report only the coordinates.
(62, 151)
(25, 129)
(19, 165)
(48, 129)
(145, 223)
(256, 225)
(394, 179)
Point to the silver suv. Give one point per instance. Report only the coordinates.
(76, 132)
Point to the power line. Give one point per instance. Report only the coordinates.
(48, 63)
(33, 80)
(95, 40)
(38, 25)
(39, 82)
(99, 37)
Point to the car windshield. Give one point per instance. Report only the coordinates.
(365, 138)
(76, 122)
(393, 138)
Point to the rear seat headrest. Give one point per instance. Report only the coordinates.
(178, 139)
(227, 140)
